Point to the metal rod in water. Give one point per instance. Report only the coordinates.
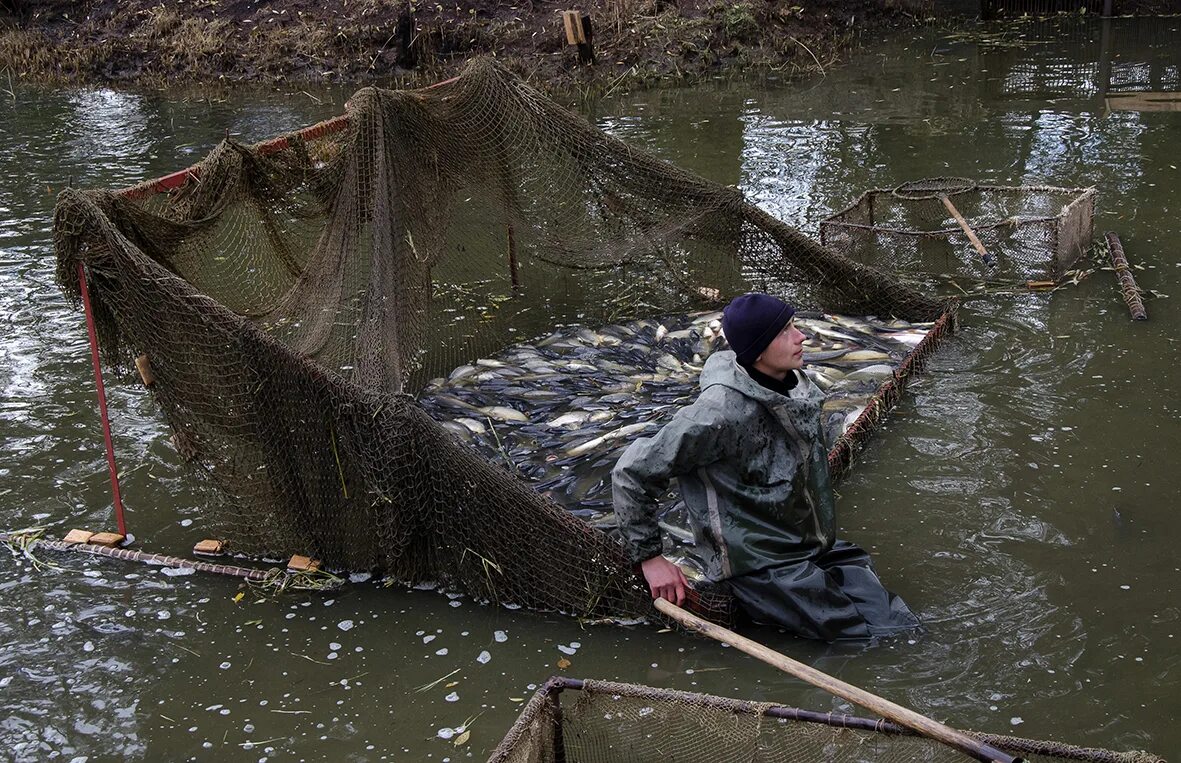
(102, 400)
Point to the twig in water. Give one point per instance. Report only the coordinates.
(344, 488)
(809, 50)
(486, 564)
(249, 743)
(952, 281)
(611, 87)
(508, 460)
(436, 682)
(310, 659)
(373, 61)
(23, 542)
(185, 648)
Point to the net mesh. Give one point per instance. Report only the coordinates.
(606, 722)
(1029, 232)
(290, 299)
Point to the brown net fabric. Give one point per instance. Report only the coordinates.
(1029, 232)
(605, 722)
(290, 302)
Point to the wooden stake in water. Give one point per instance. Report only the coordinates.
(942, 188)
(1123, 271)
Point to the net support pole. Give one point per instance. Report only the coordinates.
(513, 271)
(555, 686)
(1123, 272)
(102, 401)
(904, 716)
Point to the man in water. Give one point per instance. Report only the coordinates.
(750, 459)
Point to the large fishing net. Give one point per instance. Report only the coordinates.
(573, 721)
(290, 301)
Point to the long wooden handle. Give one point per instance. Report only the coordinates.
(883, 707)
(984, 255)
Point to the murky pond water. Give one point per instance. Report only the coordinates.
(1022, 498)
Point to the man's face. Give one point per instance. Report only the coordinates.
(785, 353)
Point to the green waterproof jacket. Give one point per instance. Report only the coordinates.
(753, 473)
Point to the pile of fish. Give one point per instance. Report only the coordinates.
(559, 411)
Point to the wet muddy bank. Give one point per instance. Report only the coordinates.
(635, 42)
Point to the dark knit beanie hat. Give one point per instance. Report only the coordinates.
(752, 321)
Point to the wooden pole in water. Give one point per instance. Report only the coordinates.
(984, 255)
(1123, 272)
(883, 707)
(131, 555)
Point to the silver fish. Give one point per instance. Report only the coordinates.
(504, 413)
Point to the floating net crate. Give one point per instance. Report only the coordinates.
(293, 301)
(1029, 232)
(574, 721)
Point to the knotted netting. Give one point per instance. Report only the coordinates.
(574, 721)
(290, 299)
(1025, 232)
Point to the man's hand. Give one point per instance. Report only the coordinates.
(665, 579)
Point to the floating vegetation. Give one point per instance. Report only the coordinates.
(277, 581)
(22, 544)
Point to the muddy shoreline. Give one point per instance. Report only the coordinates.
(636, 42)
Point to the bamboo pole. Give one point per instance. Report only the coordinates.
(883, 707)
(1123, 272)
(143, 557)
(275, 576)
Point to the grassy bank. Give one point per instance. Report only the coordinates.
(635, 41)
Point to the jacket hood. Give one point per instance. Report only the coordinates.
(804, 408)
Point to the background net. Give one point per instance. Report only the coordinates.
(1030, 232)
(291, 298)
(606, 722)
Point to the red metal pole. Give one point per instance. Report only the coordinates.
(102, 400)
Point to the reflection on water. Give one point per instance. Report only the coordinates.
(1020, 497)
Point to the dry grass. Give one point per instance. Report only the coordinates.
(301, 44)
(160, 23)
(638, 42)
(32, 54)
(621, 15)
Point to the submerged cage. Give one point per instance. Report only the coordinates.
(1029, 232)
(607, 722)
(286, 302)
